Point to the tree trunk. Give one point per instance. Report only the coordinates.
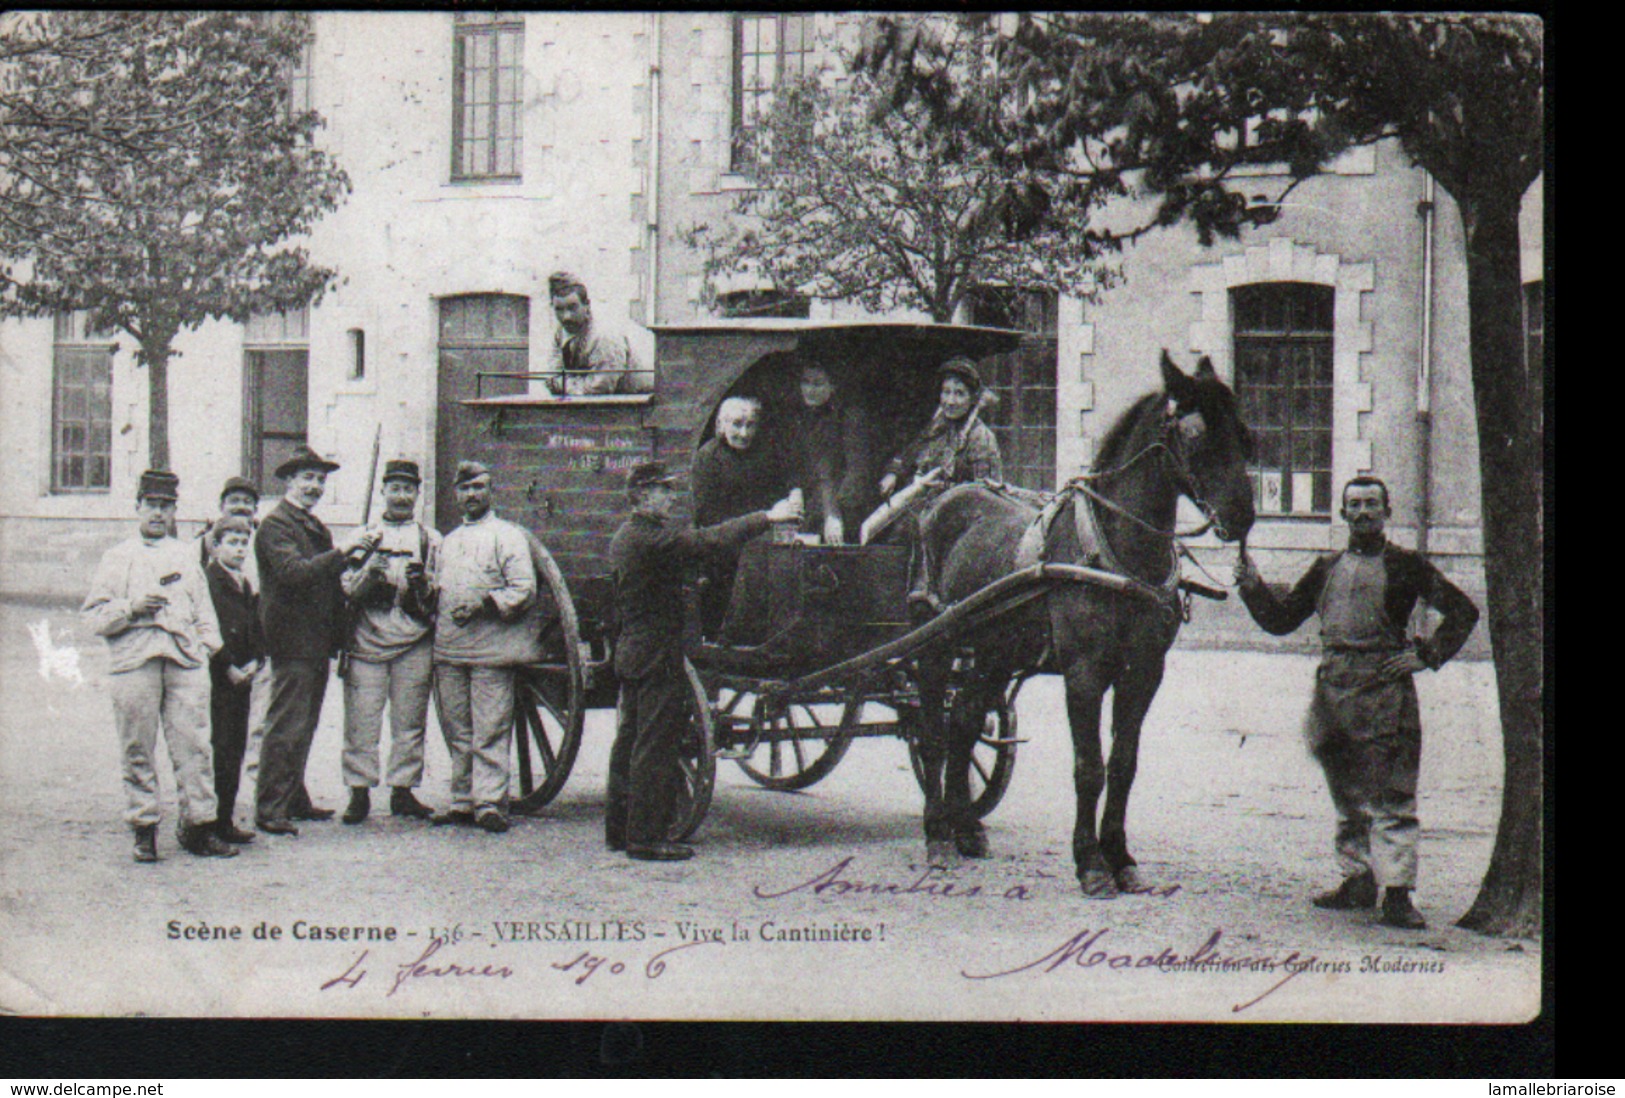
(1509, 899)
(156, 359)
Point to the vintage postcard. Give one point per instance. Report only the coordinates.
(713, 515)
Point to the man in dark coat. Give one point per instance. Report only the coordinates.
(648, 557)
(302, 611)
(733, 476)
(1364, 725)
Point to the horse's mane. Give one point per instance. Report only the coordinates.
(1116, 440)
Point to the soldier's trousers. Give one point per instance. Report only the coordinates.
(644, 773)
(476, 717)
(1366, 732)
(161, 690)
(404, 683)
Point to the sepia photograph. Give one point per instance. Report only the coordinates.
(747, 516)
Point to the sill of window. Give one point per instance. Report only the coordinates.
(541, 400)
(480, 188)
(732, 181)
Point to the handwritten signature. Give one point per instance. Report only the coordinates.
(1082, 950)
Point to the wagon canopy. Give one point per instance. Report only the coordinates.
(700, 362)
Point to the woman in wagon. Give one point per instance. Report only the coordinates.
(830, 436)
(955, 447)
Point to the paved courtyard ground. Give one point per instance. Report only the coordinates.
(1229, 820)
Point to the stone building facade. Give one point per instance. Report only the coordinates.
(487, 151)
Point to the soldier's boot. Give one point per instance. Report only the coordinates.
(360, 805)
(1358, 891)
(200, 839)
(402, 802)
(229, 832)
(146, 843)
(1398, 911)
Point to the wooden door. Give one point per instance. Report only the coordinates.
(276, 398)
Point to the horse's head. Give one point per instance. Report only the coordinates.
(1211, 444)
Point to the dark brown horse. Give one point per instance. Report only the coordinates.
(1187, 440)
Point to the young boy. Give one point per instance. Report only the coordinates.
(150, 602)
(232, 669)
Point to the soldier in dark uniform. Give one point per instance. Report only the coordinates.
(649, 556)
(1364, 726)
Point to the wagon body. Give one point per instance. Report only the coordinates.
(559, 467)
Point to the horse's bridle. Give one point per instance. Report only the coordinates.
(1175, 430)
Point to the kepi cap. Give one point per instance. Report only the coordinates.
(158, 484)
(402, 469)
(647, 473)
(304, 458)
(469, 470)
(239, 484)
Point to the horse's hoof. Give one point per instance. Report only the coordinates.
(1097, 884)
(1129, 879)
(941, 852)
(972, 844)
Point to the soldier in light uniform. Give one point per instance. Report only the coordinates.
(391, 651)
(151, 604)
(482, 634)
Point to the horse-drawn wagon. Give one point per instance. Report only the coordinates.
(818, 646)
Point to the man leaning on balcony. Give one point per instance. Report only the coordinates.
(586, 361)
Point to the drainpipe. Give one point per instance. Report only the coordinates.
(1424, 376)
(651, 189)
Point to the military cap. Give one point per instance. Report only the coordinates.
(402, 469)
(240, 484)
(304, 458)
(469, 470)
(647, 473)
(158, 484)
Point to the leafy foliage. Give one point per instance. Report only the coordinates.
(153, 172)
(1167, 106)
(858, 202)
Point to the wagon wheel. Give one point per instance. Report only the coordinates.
(800, 743)
(696, 756)
(993, 759)
(549, 702)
